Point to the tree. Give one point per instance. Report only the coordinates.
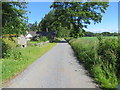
(79, 14)
(49, 22)
(62, 31)
(13, 17)
(114, 34)
(33, 27)
(89, 34)
(106, 33)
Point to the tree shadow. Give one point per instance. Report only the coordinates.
(63, 42)
(58, 41)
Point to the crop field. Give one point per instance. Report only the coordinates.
(100, 57)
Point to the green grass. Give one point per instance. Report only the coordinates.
(0, 74)
(15, 64)
(95, 38)
(59, 39)
(100, 58)
(34, 42)
(90, 38)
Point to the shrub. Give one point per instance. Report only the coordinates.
(101, 58)
(5, 48)
(43, 39)
(36, 38)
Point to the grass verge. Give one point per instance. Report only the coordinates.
(101, 58)
(20, 58)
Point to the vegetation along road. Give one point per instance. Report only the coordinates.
(58, 68)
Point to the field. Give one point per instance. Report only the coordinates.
(95, 38)
(17, 59)
(101, 57)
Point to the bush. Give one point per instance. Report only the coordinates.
(11, 42)
(43, 39)
(5, 48)
(36, 38)
(101, 58)
(68, 38)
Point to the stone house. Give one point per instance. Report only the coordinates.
(22, 41)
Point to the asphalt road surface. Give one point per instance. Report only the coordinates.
(58, 68)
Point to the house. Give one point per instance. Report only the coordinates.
(51, 34)
(22, 41)
(36, 35)
(31, 35)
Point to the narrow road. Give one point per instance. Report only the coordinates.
(58, 68)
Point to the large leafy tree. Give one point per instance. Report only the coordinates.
(79, 14)
(49, 22)
(14, 17)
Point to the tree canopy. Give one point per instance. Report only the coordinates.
(33, 27)
(49, 22)
(13, 17)
(79, 14)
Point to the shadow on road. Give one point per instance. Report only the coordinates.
(62, 42)
(58, 41)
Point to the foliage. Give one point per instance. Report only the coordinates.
(40, 39)
(8, 43)
(4, 49)
(49, 22)
(79, 14)
(101, 58)
(43, 39)
(36, 38)
(63, 31)
(106, 33)
(33, 27)
(68, 38)
(12, 42)
(13, 17)
(89, 34)
(109, 34)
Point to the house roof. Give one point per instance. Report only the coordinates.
(46, 33)
(33, 33)
(29, 35)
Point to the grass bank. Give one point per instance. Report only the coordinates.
(100, 57)
(19, 59)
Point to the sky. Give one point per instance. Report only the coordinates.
(64, 0)
(109, 20)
